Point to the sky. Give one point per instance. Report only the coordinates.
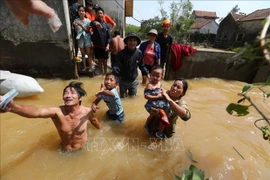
(146, 9)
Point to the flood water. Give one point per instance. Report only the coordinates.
(224, 146)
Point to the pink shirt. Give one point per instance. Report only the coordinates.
(149, 55)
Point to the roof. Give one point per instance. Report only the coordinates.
(199, 25)
(257, 15)
(237, 16)
(204, 14)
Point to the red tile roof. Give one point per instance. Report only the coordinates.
(204, 14)
(198, 25)
(257, 15)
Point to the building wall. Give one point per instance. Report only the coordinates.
(226, 32)
(210, 28)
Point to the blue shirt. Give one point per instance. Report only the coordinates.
(86, 23)
(113, 102)
(156, 49)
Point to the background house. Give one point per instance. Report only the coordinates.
(235, 30)
(226, 31)
(205, 27)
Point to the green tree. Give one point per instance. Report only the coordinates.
(182, 19)
(132, 28)
(180, 16)
(146, 25)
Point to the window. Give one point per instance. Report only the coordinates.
(240, 37)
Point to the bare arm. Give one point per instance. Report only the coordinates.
(180, 110)
(31, 111)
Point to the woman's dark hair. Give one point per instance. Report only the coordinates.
(83, 8)
(78, 88)
(185, 84)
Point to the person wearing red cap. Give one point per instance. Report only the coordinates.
(164, 39)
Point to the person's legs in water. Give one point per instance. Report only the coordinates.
(123, 89)
(132, 90)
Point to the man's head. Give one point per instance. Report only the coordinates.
(132, 40)
(89, 6)
(99, 13)
(166, 25)
(73, 92)
(116, 33)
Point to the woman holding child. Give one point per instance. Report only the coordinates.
(178, 109)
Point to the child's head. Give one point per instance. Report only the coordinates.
(111, 81)
(156, 74)
(81, 11)
(178, 88)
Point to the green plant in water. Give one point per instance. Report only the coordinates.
(193, 173)
(238, 109)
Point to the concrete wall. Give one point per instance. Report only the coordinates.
(213, 63)
(34, 49)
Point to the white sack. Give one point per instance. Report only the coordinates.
(25, 85)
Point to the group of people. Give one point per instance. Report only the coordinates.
(91, 29)
(71, 119)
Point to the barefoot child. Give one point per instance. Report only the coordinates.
(110, 96)
(156, 104)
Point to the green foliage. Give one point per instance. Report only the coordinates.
(266, 133)
(182, 19)
(180, 16)
(146, 25)
(240, 110)
(132, 28)
(246, 55)
(193, 173)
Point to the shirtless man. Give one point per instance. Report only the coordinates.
(69, 119)
(117, 44)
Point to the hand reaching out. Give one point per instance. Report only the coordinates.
(23, 8)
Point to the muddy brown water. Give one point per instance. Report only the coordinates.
(224, 146)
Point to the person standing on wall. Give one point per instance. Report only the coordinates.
(164, 39)
(101, 39)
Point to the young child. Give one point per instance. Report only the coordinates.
(82, 26)
(110, 96)
(156, 102)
